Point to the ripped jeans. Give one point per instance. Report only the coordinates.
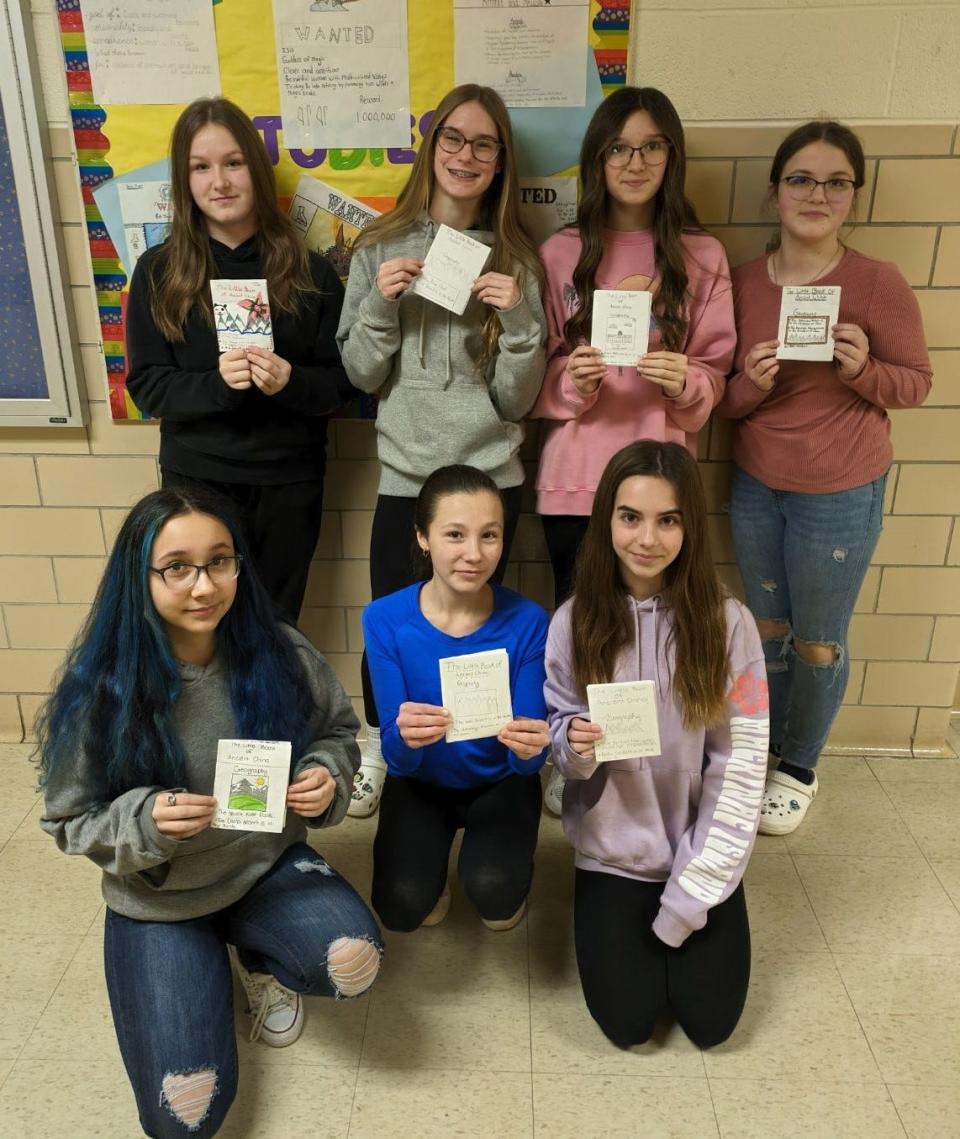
(803, 558)
(171, 989)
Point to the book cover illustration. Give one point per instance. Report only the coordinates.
(241, 311)
(250, 785)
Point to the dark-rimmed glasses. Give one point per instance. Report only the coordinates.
(653, 153)
(483, 147)
(800, 187)
(181, 576)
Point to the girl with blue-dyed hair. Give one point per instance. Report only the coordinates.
(181, 650)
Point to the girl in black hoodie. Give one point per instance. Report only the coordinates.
(250, 423)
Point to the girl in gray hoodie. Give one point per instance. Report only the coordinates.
(181, 650)
(662, 840)
(453, 389)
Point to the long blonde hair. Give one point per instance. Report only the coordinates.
(185, 264)
(513, 248)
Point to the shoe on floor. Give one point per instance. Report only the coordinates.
(553, 796)
(507, 923)
(367, 788)
(276, 1011)
(785, 802)
(440, 910)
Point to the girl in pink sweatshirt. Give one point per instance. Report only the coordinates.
(635, 230)
(663, 839)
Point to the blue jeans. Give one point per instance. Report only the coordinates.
(803, 558)
(171, 988)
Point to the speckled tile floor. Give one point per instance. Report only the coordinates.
(852, 1025)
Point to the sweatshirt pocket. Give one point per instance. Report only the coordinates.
(423, 426)
(621, 822)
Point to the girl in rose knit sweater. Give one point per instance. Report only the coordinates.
(812, 448)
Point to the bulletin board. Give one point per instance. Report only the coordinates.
(114, 139)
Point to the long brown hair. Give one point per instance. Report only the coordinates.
(513, 248)
(601, 615)
(185, 261)
(674, 213)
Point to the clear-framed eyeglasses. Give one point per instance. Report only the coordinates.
(183, 576)
(654, 153)
(800, 187)
(483, 147)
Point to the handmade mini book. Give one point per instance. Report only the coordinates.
(807, 315)
(627, 712)
(475, 690)
(241, 313)
(453, 263)
(250, 785)
(621, 325)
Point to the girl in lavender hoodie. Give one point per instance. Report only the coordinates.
(662, 841)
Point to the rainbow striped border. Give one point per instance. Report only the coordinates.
(88, 120)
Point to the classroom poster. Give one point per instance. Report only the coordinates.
(343, 72)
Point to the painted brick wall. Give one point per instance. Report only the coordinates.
(63, 494)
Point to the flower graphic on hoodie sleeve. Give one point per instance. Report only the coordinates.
(749, 694)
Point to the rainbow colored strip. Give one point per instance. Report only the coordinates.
(611, 24)
(88, 120)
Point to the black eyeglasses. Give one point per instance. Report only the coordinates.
(802, 186)
(181, 576)
(483, 147)
(653, 153)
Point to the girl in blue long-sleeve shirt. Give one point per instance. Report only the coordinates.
(486, 786)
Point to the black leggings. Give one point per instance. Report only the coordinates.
(630, 977)
(395, 560)
(281, 525)
(418, 822)
(564, 533)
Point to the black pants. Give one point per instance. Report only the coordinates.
(396, 561)
(564, 533)
(630, 977)
(281, 525)
(418, 822)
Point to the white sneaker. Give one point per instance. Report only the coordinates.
(553, 796)
(277, 1011)
(785, 802)
(367, 788)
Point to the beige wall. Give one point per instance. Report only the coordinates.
(62, 494)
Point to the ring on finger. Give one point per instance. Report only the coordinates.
(172, 799)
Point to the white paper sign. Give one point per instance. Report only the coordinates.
(241, 313)
(343, 72)
(530, 51)
(547, 204)
(621, 325)
(329, 221)
(452, 264)
(807, 314)
(151, 51)
(250, 785)
(627, 712)
(475, 690)
(146, 209)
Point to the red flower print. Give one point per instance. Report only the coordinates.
(749, 694)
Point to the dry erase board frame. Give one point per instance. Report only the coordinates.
(39, 379)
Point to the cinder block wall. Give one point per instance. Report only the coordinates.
(63, 493)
